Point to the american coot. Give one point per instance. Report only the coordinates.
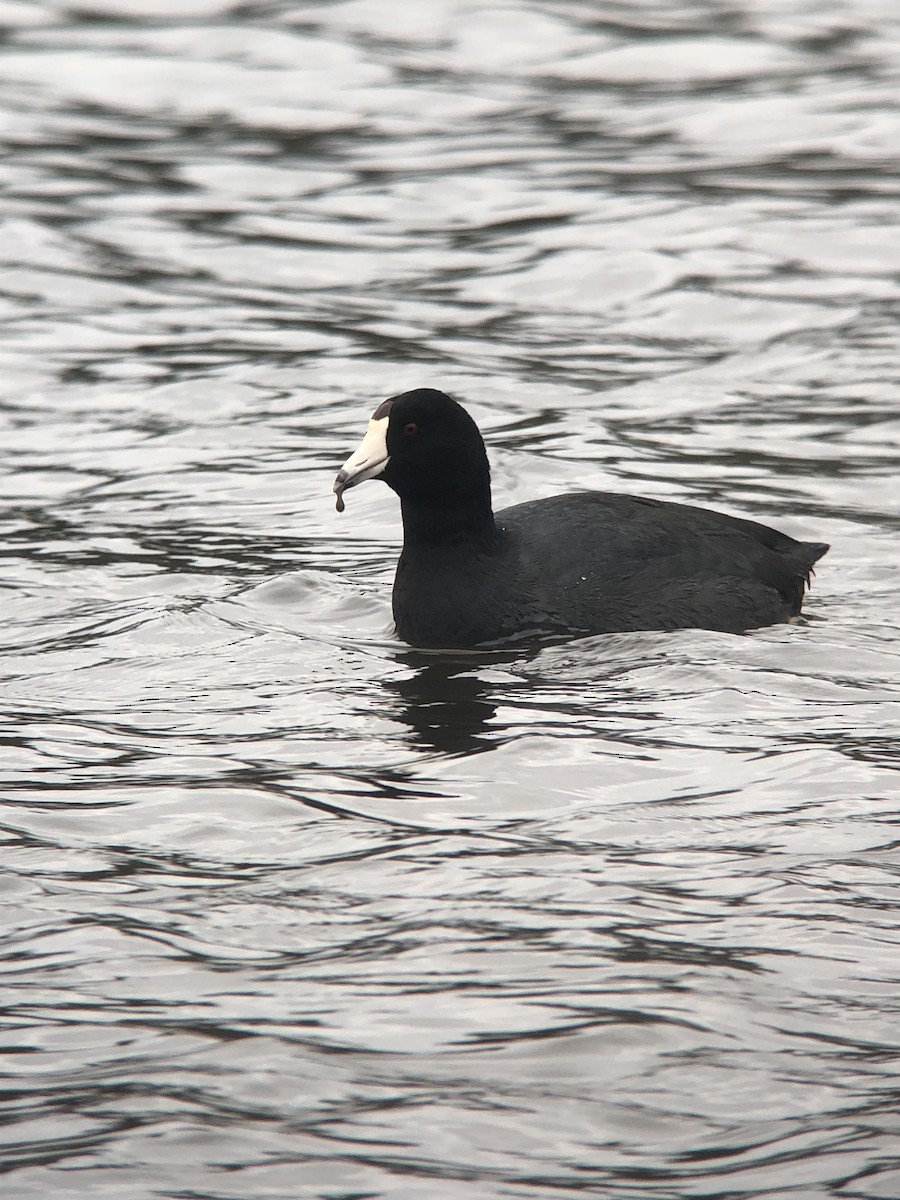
(585, 563)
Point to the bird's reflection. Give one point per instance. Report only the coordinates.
(444, 702)
(450, 699)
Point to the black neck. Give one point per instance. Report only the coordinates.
(448, 524)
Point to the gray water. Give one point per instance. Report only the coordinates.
(293, 911)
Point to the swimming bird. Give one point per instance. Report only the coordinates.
(568, 566)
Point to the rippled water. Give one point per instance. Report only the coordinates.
(291, 910)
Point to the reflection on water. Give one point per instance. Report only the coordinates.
(446, 707)
(293, 910)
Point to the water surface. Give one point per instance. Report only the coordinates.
(290, 909)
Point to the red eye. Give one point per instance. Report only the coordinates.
(410, 429)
